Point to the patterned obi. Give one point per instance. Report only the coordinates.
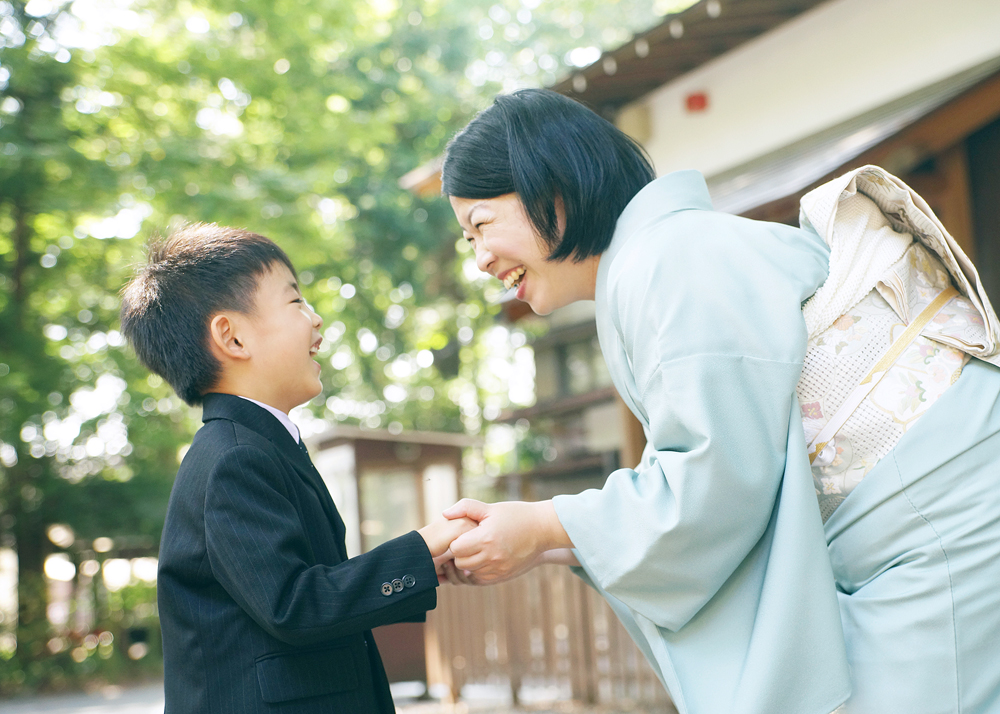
(840, 357)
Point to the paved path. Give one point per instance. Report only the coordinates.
(110, 700)
(148, 699)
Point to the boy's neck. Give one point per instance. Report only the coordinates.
(255, 400)
(251, 389)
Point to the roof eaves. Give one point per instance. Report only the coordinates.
(681, 43)
(800, 164)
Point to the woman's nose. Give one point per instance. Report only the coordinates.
(484, 258)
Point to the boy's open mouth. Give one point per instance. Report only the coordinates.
(513, 278)
(315, 347)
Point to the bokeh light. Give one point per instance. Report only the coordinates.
(59, 567)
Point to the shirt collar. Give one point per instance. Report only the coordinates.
(279, 415)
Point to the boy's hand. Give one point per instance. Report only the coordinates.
(448, 572)
(439, 534)
(509, 540)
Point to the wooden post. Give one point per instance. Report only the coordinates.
(437, 671)
(956, 206)
(589, 663)
(633, 437)
(514, 633)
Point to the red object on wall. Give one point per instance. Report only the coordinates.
(697, 102)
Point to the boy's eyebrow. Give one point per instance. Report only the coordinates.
(294, 286)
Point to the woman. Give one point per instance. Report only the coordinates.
(712, 551)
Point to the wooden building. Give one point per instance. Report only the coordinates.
(818, 89)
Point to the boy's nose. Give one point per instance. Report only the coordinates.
(317, 320)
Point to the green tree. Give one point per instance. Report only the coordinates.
(293, 119)
(64, 381)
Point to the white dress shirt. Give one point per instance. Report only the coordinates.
(280, 415)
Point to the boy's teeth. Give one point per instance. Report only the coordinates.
(513, 278)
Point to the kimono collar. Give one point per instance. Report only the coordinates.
(677, 191)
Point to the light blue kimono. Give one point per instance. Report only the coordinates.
(713, 553)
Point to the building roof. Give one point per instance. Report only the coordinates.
(681, 43)
(425, 180)
(899, 136)
(804, 163)
(341, 433)
(709, 29)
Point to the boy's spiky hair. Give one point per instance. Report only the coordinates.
(190, 276)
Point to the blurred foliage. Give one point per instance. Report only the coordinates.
(124, 646)
(120, 120)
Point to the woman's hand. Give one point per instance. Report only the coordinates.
(511, 538)
(448, 572)
(439, 534)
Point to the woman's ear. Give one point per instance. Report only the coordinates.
(225, 340)
(560, 208)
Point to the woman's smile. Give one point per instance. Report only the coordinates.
(513, 277)
(509, 248)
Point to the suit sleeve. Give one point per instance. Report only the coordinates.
(711, 324)
(260, 554)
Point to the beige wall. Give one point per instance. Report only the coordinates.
(832, 63)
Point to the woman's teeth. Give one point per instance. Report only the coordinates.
(513, 277)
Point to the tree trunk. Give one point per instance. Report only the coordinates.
(24, 495)
(22, 254)
(32, 595)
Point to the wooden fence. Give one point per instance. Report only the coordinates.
(546, 628)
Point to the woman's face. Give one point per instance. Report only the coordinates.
(510, 249)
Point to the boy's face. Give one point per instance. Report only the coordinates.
(284, 337)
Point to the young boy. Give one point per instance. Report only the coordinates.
(261, 609)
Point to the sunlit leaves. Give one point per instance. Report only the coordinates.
(120, 120)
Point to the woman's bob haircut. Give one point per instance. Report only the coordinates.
(545, 147)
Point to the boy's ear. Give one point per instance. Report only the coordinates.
(225, 340)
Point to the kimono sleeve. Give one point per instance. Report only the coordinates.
(707, 314)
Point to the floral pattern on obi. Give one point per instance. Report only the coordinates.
(839, 358)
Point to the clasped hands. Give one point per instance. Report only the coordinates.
(479, 543)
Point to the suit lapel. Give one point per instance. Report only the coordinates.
(253, 417)
(305, 467)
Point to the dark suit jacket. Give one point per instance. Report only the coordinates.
(260, 607)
